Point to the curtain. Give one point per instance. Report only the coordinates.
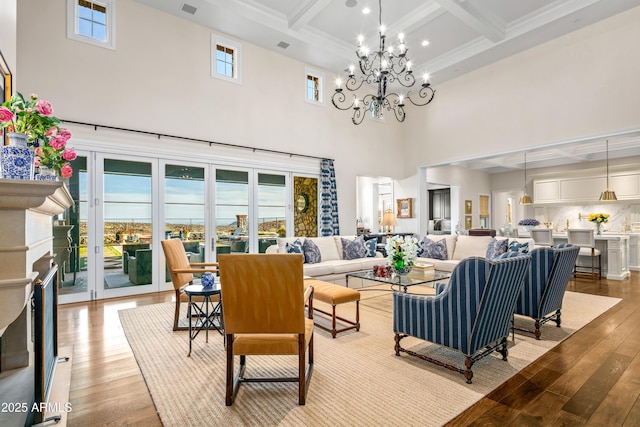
(328, 200)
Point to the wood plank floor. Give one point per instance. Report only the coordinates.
(592, 378)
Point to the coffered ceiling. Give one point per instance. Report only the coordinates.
(462, 35)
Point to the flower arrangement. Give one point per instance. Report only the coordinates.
(529, 222)
(34, 118)
(401, 251)
(598, 218)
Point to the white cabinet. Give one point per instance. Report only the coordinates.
(546, 191)
(626, 185)
(586, 188)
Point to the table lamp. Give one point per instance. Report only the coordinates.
(389, 220)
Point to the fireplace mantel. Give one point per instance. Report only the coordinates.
(26, 228)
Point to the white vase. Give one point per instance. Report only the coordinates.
(16, 159)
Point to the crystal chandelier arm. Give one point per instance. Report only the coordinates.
(424, 95)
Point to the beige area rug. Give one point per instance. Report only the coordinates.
(357, 379)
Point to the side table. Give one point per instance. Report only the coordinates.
(206, 313)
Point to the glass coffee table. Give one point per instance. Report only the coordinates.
(399, 282)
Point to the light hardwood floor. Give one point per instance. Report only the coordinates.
(592, 378)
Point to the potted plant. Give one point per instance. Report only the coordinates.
(35, 139)
(401, 253)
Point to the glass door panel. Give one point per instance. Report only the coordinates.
(272, 209)
(71, 238)
(232, 193)
(184, 209)
(127, 226)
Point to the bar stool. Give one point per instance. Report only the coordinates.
(542, 236)
(585, 238)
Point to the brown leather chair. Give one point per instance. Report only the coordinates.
(263, 306)
(182, 273)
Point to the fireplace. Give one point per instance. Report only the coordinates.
(26, 254)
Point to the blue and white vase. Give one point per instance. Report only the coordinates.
(46, 174)
(16, 159)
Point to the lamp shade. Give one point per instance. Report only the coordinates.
(526, 200)
(389, 219)
(608, 195)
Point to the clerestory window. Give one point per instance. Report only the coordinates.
(92, 22)
(226, 57)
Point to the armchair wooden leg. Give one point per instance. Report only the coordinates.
(468, 373)
(177, 311)
(537, 331)
(302, 383)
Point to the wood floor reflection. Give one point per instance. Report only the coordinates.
(592, 378)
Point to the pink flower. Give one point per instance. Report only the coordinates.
(69, 154)
(36, 161)
(52, 131)
(57, 142)
(5, 114)
(37, 151)
(34, 96)
(44, 107)
(66, 171)
(64, 133)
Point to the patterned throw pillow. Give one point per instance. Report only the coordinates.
(295, 247)
(353, 249)
(523, 248)
(508, 254)
(434, 250)
(370, 246)
(496, 248)
(311, 252)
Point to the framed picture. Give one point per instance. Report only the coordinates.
(404, 208)
(5, 84)
(468, 223)
(467, 207)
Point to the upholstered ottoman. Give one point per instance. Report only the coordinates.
(334, 295)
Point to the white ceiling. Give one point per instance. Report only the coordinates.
(463, 35)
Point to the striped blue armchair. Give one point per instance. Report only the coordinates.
(544, 286)
(472, 313)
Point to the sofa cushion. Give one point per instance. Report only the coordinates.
(328, 248)
(294, 247)
(516, 246)
(319, 269)
(345, 266)
(370, 246)
(468, 246)
(435, 250)
(282, 243)
(353, 249)
(496, 247)
(450, 240)
(311, 252)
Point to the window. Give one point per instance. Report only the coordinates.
(314, 87)
(226, 56)
(92, 22)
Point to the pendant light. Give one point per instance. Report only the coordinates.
(608, 195)
(526, 199)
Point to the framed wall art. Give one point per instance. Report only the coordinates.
(467, 207)
(404, 208)
(468, 223)
(5, 86)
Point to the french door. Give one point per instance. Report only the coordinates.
(124, 206)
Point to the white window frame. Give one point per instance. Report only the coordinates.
(320, 76)
(237, 58)
(72, 24)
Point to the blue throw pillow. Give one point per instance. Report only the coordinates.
(370, 246)
(434, 250)
(311, 252)
(522, 248)
(508, 254)
(295, 247)
(353, 249)
(496, 248)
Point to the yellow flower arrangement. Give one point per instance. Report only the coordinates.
(599, 218)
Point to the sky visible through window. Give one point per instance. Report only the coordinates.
(92, 20)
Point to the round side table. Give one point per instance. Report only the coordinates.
(208, 314)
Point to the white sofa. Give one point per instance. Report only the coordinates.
(461, 247)
(332, 268)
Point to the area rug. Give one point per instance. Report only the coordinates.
(357, 379)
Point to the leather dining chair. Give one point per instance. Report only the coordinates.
(585, 239)
(263, 306)
(182, 274)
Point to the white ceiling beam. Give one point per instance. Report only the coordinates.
(478, 18)
(305, 12)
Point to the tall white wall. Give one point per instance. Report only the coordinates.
(582, 84)
(158, 79)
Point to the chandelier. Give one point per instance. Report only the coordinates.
(386, 66)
